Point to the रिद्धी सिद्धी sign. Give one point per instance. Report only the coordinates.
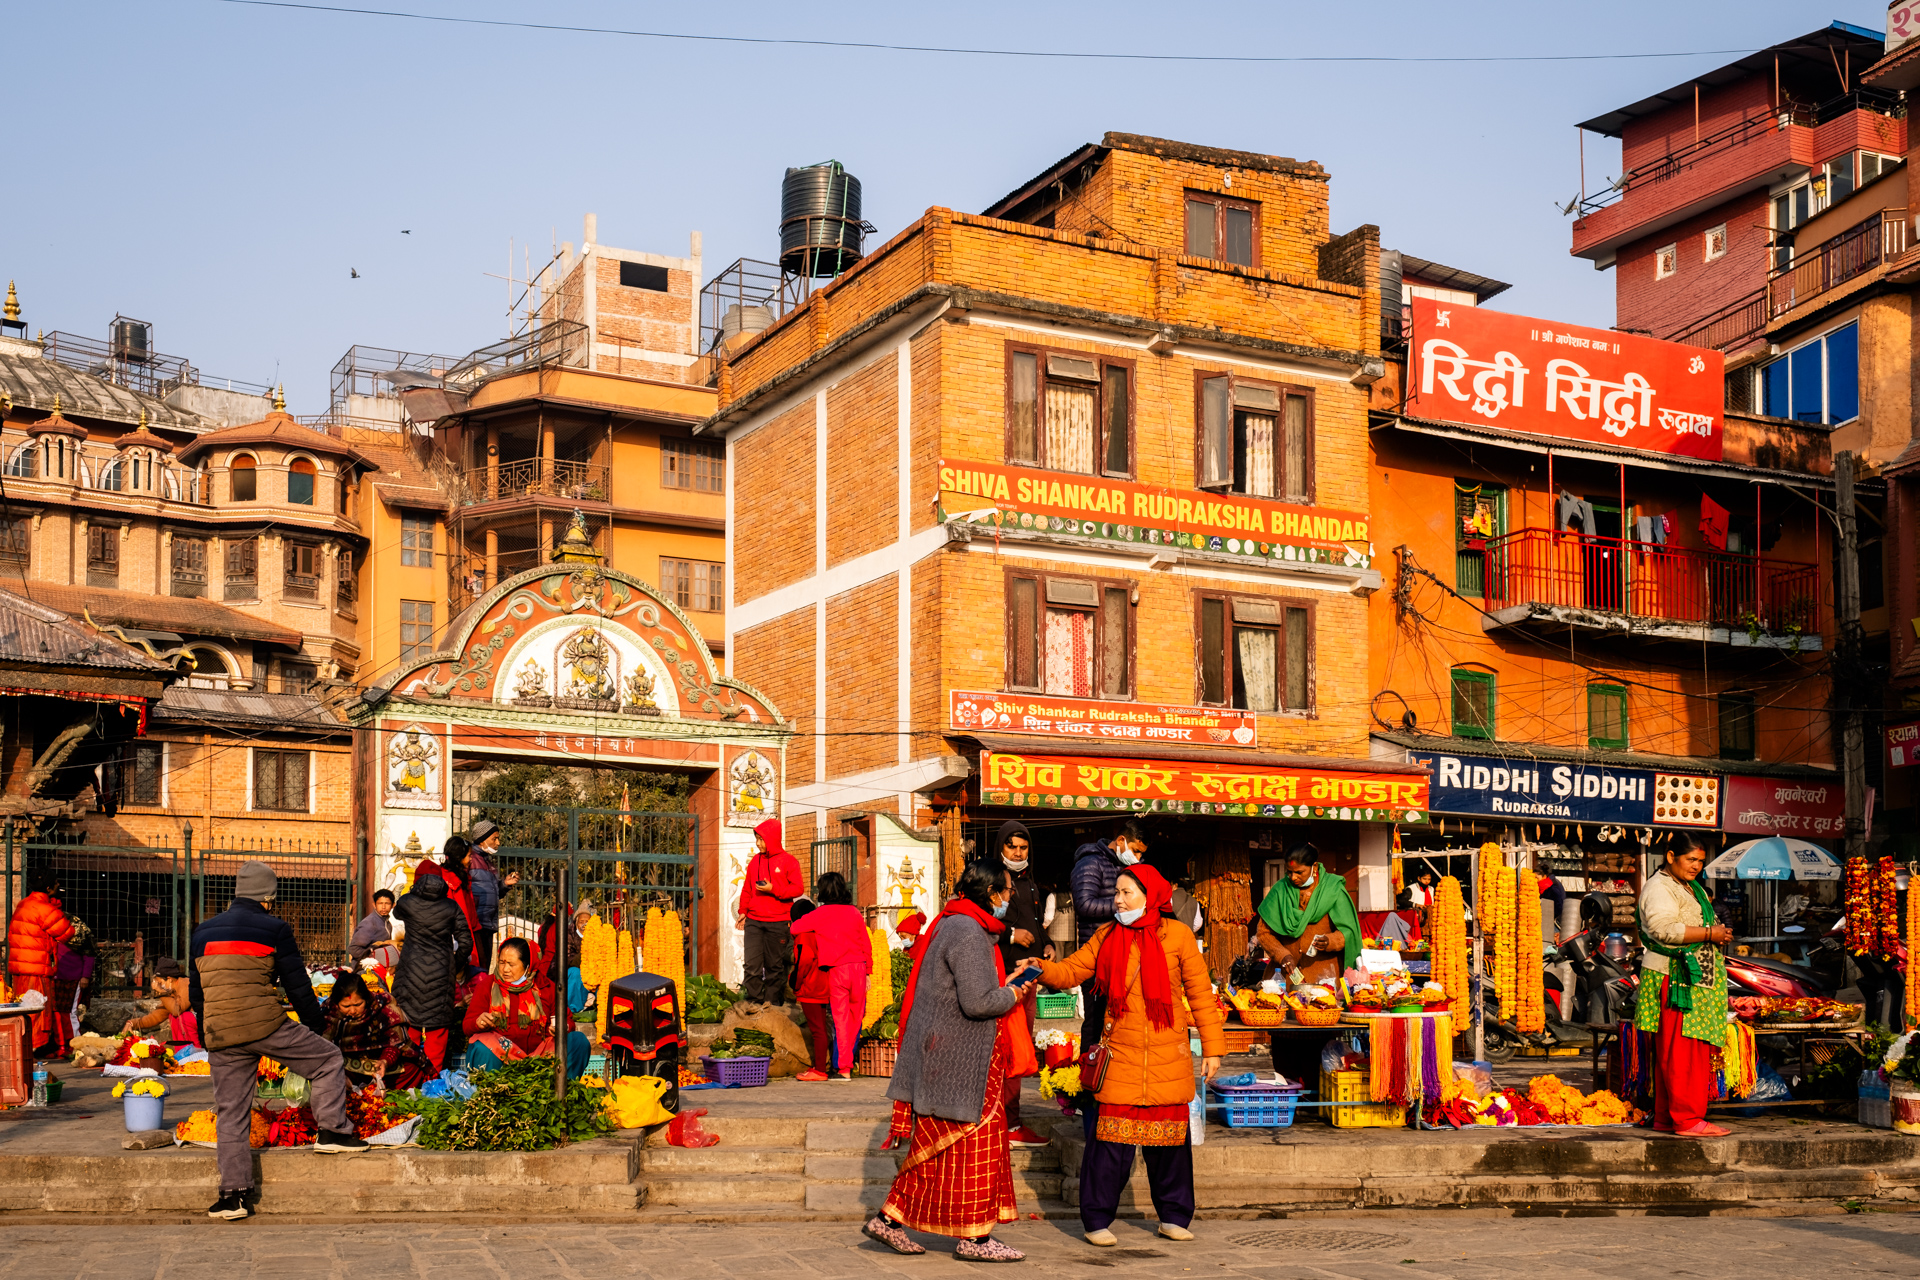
(1089, 718)
(1098, 507)
(1490, 369)
(1104, 785)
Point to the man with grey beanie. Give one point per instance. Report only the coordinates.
(235, 959)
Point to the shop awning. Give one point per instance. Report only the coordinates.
(1256, 787)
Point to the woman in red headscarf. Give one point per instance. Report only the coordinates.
(1141, 962)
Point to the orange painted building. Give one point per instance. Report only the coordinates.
(1555, 601)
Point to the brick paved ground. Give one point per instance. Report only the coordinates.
(1362, 1247)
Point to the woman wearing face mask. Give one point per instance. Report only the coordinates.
(1022, 940)
(962, 1035)
(1140, 964)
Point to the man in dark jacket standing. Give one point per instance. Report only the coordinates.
(1096, 875)
(487, 884)
(233, 962)
(432, 958)
(771, 884)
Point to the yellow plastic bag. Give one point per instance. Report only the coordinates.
(634, 1102)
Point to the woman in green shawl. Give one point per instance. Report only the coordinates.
(1310, 931)
(1683, 990)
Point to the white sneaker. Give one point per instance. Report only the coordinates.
(1103, 1238)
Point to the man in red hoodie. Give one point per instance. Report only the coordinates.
(766, 913)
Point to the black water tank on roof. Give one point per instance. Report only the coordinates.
(820, 224)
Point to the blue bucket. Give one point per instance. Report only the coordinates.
(144, 1112)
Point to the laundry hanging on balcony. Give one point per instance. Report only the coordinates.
(1713, 523)
(1568, 510)
(1650, 529)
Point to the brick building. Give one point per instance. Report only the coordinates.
(1057, 512)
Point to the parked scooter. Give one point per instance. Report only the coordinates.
(1603, 985)
(1503, 1037)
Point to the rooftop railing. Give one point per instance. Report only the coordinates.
(1854, 252)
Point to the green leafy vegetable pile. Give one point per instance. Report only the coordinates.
(708, 998)
(512, 1109)
(745, 1042)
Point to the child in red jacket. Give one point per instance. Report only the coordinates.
(810, 987)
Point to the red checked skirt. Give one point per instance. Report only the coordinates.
(957, 1179)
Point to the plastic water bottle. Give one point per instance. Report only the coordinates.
(39, 1098)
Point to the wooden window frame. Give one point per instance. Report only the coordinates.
(105, 537)
(1489, 732)
(1100, 411)
(411, 548)
(1098, 683)
(1221, 202)
(670, 568)
(695, 455)
(1310, 710)
(1603, 689)
(415, 650)
(260, 756)
(1308, 496)
(234, 468)
(1463, 554)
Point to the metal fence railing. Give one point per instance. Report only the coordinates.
(620, 862)
(143, 901)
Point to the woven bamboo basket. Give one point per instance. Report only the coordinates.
(1263, 1017)
(1317, 1017)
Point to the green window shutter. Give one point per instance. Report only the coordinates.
(1473, 709)
(1607, 716)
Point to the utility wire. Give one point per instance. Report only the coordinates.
(876, 46)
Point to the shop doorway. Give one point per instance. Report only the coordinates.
(1604, 561)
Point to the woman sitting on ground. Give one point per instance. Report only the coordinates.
(511, 1015)
(371, 1033)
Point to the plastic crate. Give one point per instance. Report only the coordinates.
(1356, 1110)
(1057, 1004)
(1256, 1106)
(1876, 1101)
(747, 1073)
(876, 1058)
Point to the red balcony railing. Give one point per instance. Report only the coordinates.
(1651, 581)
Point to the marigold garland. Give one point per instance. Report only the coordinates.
(1447, 933)
(880, 981)
(1862, 929)
(1528, 972)
(1886, 911)
(663, 951)
(1913, 952)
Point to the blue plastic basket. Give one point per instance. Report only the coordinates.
(744, 1073)
(1256, 1106)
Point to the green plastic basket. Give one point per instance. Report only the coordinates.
(1059, 1004)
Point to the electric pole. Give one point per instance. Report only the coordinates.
(1846, 668)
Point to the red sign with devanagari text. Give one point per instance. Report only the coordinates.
(1493, 370)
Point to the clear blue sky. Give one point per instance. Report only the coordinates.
(219, 169)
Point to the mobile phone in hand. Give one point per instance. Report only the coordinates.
(1026, 978)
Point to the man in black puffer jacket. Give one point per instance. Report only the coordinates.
(432, 960)
(234, 961)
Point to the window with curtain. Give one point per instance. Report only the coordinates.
(1256, 438)
(1071, 637)
(1256, 653)
(280, 780)
(1069, 412)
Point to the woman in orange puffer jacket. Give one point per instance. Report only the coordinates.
(34, 936)
(1143, 963)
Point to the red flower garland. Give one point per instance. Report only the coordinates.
(1863, 930)
(1886, 910)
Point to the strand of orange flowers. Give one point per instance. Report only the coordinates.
(1862, 928)
(1448, 920)
(1529, 973)
(1913, 952)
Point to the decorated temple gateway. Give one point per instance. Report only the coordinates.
(577, 665)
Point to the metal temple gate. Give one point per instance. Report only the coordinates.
(619, 862)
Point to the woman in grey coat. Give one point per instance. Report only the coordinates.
(961, 1037)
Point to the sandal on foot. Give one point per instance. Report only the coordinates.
(988, 1250)
(1103, 1238)
(895, 1238)
(1170, 1232)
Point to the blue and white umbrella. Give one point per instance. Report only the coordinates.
(1775, 858)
